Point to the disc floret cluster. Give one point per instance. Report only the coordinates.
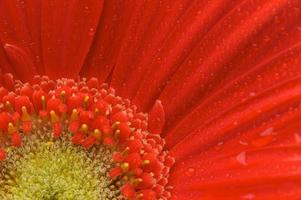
(94, 116)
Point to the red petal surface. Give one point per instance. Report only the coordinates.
(266, 173)
(67, 31)
(248, 38)
(51, 37)
(261, 79)
(19, 34)
(107, 42)
(156, 118)
(189, 29)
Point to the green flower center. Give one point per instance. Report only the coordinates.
(56, 170)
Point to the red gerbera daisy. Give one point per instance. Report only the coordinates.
(146, 100)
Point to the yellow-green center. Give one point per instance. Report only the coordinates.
(56, 170)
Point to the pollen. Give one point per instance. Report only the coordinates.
(76, 139)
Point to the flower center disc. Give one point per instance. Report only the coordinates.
(46, 169)
(68, 139)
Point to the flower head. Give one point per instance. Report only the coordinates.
(191, 99)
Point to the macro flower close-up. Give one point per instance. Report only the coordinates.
(150, 100)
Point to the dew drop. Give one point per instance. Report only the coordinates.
(267, 132)
(248, 196)
(252, 94)
(91, 31)
(190, 172)
(243, 143)
(297, 138)
(219, 145)
(241, 158)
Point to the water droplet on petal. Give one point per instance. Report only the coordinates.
(219, 145)
(190, 171)
(243, 143)
(267, 132)
(252, 94)
(249, 196)
(297, 138)
(241, 158)
(91, 31)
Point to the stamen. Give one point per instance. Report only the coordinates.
(85, 125)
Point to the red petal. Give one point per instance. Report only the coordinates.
(153, 36)
(268, 173)
(19, 33)
(104, 51)
(156, 118)
(197, 19)
(242, 89)
(67, 31)
(242, 40)
(241, 118)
